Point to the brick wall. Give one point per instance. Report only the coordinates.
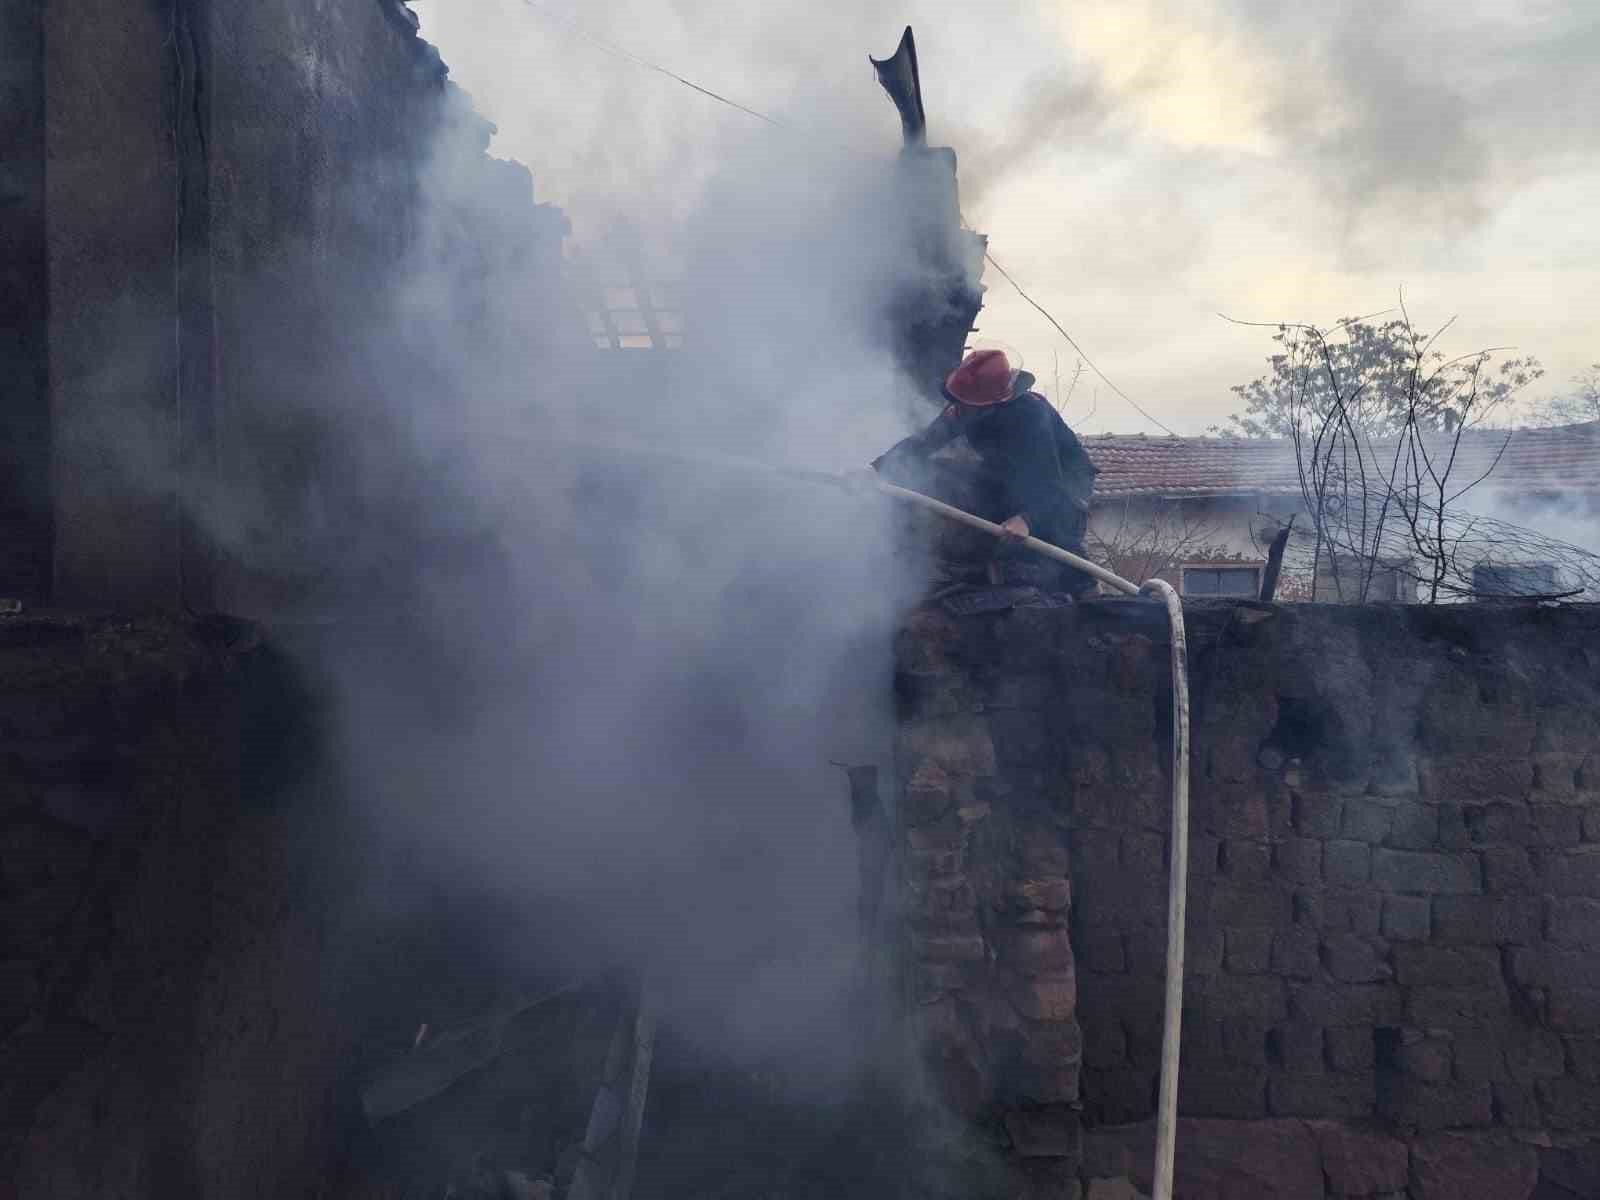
(1394, 868)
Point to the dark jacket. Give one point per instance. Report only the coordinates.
(1031, 459)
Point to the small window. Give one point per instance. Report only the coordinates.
(1508, 581)
(1230, 581)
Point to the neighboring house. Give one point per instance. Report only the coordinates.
(1202, 512)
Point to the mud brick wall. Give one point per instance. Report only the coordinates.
(1394, 905)
(163, 1030)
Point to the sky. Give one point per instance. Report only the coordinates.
(1140, 166)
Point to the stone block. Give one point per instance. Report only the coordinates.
(1240, 812)
(1351, 958)
(1575, 921)
(1480, 1059)
(1298, 860)
(1569, 1104)
(1487, 920)
(1591, 824)
(1228, 1159)
(1243, 1042)
(1248, 951)
(1533, 1054)
(1341, 910)
(1047, 894)
(930, 793)
(1031, 951)
(948, 948)
(1232, 906)
(1042, 851)
(1461, 1008)
(1480, 779)
(1449, 1166)
(1346, 862)
(1296, 953)
(1051, 997)
(1415, 872)
(1350, 1048)
(1258, 998)
(1508, 869)
(1584, 1054)
(1238, 1093)
(1500, 824)
(1364, 1004)
(1316, 816)
(1365, 821)
(1417, 1055)
(1546, 966)
(1406, 918)
(1446, 966)
(1360, 1162)
(1245, 862)
(1414, 826)
(959, 745)
(1574, 1010)
(1556, 826)
(1574, 873)
(1202, 945)
(1515, 1105)
(1322, 1095)
(1574, 1168)
(1453, 832)
(1297, 1048)
(1418, 1104)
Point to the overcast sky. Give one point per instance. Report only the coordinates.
(1139, 165)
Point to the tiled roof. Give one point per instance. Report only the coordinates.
(1563, 458)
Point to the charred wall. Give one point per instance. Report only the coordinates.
(206, 207)
(1394, 890)
(24, 358)
(165, 1024)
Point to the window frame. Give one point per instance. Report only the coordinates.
(1258, 566)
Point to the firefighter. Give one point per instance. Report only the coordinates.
(1035, 477)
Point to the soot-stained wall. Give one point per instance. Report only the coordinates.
(165, 1020)
(1394, 901)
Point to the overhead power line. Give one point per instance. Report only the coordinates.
(627, 56)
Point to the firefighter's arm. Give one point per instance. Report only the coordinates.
(919, 446)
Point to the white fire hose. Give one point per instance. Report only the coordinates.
(1177, 890)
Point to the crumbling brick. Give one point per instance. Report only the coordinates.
(1447, 966)
(1349, 1048)
(1574, 873)
(1248, 951)
(1508, 869)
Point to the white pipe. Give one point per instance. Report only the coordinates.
(1177, 888)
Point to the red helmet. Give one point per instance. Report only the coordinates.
(985, 378)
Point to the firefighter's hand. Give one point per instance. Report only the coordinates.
(1014, 529)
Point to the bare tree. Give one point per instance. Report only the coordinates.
(1575, 407)
(1378, 425)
